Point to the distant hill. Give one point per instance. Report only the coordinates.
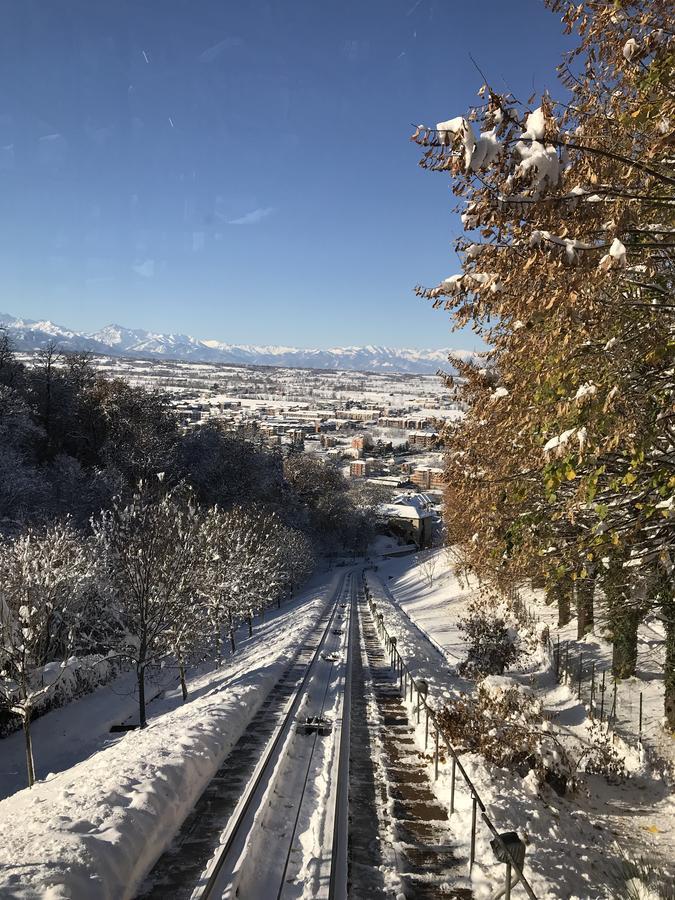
(116, 340)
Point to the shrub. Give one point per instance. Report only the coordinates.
(492, 648)
(504, 722)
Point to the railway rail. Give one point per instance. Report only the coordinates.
(304, 808)
(299, 787)
(186, 868)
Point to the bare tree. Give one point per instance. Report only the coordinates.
(428, 566)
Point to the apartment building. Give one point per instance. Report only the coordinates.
(427, 478)
(423, 438)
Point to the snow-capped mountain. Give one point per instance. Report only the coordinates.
(117, 340)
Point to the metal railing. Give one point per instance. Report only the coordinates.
(407, 682)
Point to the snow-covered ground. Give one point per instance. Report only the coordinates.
(597, 650)
(577, 845)
(94, 829)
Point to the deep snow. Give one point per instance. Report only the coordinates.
(95, 829)
(577, 845)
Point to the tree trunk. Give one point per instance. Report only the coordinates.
(250, 624)
(668, 608)
(30, 765)
(218, 640)
(585, 588)
(624, 618)
(181, 672)
(142, 720)
(624, 624)
(232, 630)
(560, 592)
(564, 607)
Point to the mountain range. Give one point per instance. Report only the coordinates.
(116, 340)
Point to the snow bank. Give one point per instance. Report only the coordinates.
(577, 846)
(95, 830)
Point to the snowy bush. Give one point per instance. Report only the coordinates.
(78, 677)
(645, 879)
(600, 756)
(491, 644)
(504, 722)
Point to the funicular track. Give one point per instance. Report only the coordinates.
(264, 791)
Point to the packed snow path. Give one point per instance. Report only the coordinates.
(275, 795)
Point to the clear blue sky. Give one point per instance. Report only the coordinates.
(242, 170)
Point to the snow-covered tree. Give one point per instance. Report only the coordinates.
(150, 555)
(221, 596)
(252, 559)
(43, 575)
(297, 557)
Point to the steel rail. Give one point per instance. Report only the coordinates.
(244, 805)
(337, 887)
(311, 760)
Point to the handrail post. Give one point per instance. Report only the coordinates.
(426, 725)
(472, 856)
(436, 756)
(452, 784)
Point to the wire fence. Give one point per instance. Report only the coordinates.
(508, 848)
(617, 703)
(598, 689)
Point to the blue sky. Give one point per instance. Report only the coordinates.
(242, 170)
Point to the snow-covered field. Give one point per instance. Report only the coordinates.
(577, 845)
(94, 829)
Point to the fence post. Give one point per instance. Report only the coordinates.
(557, 660)
(613, 713)
(592, 687)
(426, 722)
(473, 832)
(640, 725)
(581, 663)
(452, 785)
(507, 884)
(436, 757)
(602, 696)
(567, 660)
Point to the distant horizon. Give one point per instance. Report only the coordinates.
(234, 343)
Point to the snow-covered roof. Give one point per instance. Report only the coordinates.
(401, 511)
